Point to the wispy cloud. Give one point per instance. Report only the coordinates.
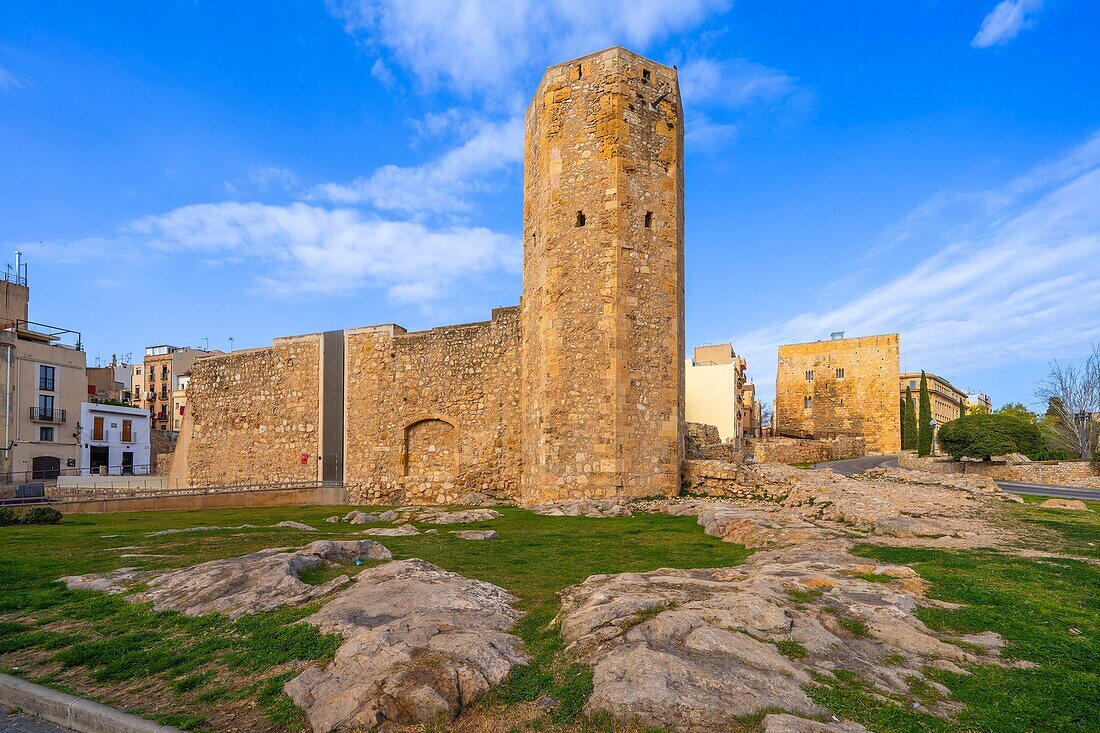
(9, 80)
(443, 185)
(732, 83)
(1021, 283)
(1005, 22)
(302, 248)
(485, 47)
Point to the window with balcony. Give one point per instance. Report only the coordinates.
(97, 428)
(840, 372)
(45, 406)
(46, 377)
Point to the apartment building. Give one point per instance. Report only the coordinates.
(155, 382)
(111, 382)
(714, 380)
(43, 375)
(946, 399)
(115, 440)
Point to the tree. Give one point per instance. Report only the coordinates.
(984, 436)
(1017, 409)
(1072, 395)
(924, 419)
(908, 422)
(962, 406)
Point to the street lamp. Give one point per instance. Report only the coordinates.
(1083, 432)
(932, 422)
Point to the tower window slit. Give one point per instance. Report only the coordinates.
(648, 219)
(580, 219)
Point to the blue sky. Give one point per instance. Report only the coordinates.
(182, 171)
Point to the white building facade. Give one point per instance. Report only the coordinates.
(114, 440)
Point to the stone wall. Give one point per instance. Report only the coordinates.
(1056, 473)
(603, 295)
(254, 413)
(802, 450)
(435, 414)
(852, 385)
(162, 446)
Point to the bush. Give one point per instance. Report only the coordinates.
(41, 515)
(983, 436)
(7, 516)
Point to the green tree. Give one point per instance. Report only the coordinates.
(924, 419)
(984, 436)
(1017, 409)
(962, 406)
(908, 422)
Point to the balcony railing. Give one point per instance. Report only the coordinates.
(43, 414)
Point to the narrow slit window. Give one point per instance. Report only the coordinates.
(648, 219)
(807, 403)
(580, 219)
(580, 71)
(645, 76)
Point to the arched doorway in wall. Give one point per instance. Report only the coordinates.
(45, 467)
(430, 447)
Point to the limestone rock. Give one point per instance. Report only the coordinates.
(333, 519)
(1073, 504)
(475, 534)
(476, 498)
(688, 649)
(261, 581)
(389, 516)
(115, 581)
(591, 508)
(356, 517)
(405, 530)
(290, 524)
(784, 723)
(420, 644)
(460, 517)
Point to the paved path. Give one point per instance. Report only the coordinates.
(27, 724)
(852, 466)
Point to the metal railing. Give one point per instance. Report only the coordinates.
(48, 414)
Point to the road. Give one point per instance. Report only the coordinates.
(20, 723)
(853, 466)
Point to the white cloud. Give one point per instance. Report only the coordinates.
(382, 73)
(484, 46)
(1005, 22)
(732, 83)
(443, 185)
(1021, 283)
(303, 248)
(8, 80)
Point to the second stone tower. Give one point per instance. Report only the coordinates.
(602, 319)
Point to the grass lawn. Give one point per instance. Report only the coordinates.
(213, 674)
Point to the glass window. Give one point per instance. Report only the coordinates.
(45, 434)
(809, 375)
(808, 402)
(46, 376)
(840, 373)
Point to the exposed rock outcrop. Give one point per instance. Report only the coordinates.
(475, 534)
(405, 530)
(236, 586)
(463, 516)
(594, 509)
(1072, 504)
(688, 649)
(420, 644)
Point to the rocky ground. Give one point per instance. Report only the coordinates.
(686, 650)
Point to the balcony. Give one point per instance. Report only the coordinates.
(39, 414)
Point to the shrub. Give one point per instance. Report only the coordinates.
(7, 516)
(983, 436)
(41, 515)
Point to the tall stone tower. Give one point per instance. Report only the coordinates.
(602, 316)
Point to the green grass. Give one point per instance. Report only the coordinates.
(208, 662)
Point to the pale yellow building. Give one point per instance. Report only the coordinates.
(714, 380)
(42, 371)
(944, 397)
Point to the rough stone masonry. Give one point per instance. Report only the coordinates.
(577, 393)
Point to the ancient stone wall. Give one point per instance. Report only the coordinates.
(803, 450)
(1055, 473)
(841, 387)
(254, 414)
(603, 299)
(434, 414)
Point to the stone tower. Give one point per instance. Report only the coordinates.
(602, 316)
